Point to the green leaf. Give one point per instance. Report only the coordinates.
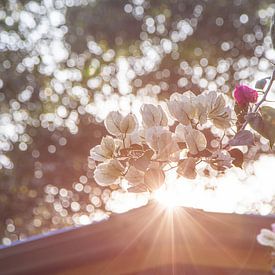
(238, 157)
(134, 176)
(221, 160)
(124, 152)
(143, 162)
(182, 145)
(135, 146)
(154, 178)
(242, 138)
(260, 84)
(255, 120)
(138, 188)
(264, 123)
(268, 111)
(187, 168)
(205, 153)
(268, 116)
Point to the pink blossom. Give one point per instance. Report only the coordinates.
(273, 227)
(245, 95)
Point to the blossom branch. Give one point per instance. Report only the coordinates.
(257, 106)
(267, 91)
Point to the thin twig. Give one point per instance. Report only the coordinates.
(220, 143)
(123, 140)
(265, 94)
(172, 167)
(201, 160)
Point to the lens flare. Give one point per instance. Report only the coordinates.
(167, 198)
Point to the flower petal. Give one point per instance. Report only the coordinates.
(108, 173)
(112, 123)
(128, 124)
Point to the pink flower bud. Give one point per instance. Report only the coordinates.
(245, 95)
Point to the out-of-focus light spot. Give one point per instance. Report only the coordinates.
(84, 220)
(62, 141)
(6, 241)
(63, 192)
(128, 8)
(62, 111)
(75, 206)
(83, 179)
(166, 45)
(56, 18)
(23, 146)
(10, 227)
(120, 202)
(37, 222)
(78, 187)
(122, 76)
(219, 21)
(51, 149)
(244, 18)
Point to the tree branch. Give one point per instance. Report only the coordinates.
(257, 106)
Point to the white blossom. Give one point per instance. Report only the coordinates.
(108, 173)
(216, 109)
(195, 139)
(162, 141)
(116, 124)
(105, 150)
(134, 176)
(153, 116)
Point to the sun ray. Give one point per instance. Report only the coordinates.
(143, 228)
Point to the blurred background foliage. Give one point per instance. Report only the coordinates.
(64, 64)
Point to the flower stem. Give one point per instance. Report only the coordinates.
(265, 94)
(171, 168)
